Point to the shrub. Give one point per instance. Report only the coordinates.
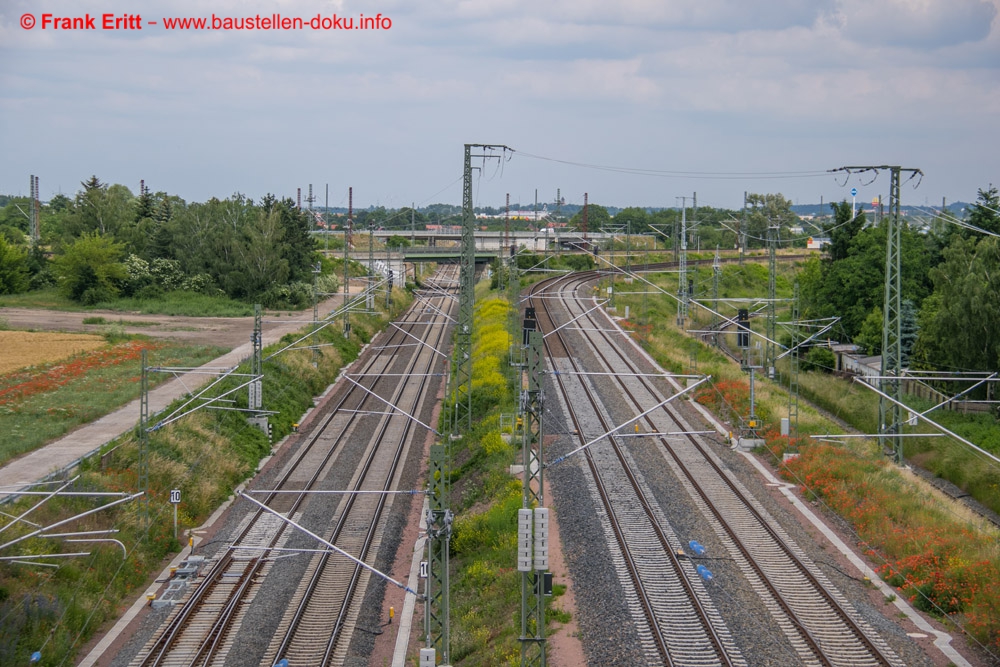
(167, 273)
(294, 295)
(92, 262)
(819, 359)
(13, 268)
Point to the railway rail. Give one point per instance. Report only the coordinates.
(817, 621)
(396, 371)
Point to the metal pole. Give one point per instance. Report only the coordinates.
(793, 368)
(890, 413)
(716, 316)
(437, 616)
(742, 235)
(682, 287)
(143, 462)
(347, 245)
(890, 406)
(466, 302)
(772, 246)
(533, 643)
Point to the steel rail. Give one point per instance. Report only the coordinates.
(724, 521)
(379, 437)
(159, 649)
(633, 569)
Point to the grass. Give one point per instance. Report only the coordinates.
(189, 304)
(204, 454)
(44, 402)
(485, 499)
(119, 322)
(944, 457)
(485, 598)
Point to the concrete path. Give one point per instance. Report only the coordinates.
(67, 450)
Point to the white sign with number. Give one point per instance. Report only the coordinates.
(423, 569)
(175, 496)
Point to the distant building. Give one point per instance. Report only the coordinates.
(817, 242)
(518, 214)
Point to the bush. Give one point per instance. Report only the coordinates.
(294, 295)
(578, 262)
(13, 268)
(200, 282)
(167, 273)
(95, 295)
(91, 262)
(137, 275)
(819, 359)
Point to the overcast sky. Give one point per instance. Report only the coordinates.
(730, 89)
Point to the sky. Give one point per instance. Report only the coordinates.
(635, 102)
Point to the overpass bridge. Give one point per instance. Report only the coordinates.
(486, 241)
(443, 245)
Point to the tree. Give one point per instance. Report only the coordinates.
(260, 264)
(842, 230)
(960, 322)
(597, 218)
(635, 218)
(766, 210)
(909, 330)
(985, 213)
(396, 241)
(101, 208)
(60, 203)
(819, 359)
(14, 216)
(854, 286)
(14, 272)
(297, 244)
(869, 338)
(89, 270)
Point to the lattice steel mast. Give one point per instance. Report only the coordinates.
(889, 409)
(467, 293)
(348, 228)
(533, 517)
(682, 286)
(143, 463)
(793, 368)
(772, 298)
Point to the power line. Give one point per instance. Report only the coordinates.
(665, 173)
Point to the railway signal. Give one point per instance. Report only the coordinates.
(743, 329)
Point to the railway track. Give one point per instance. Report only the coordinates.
(817, 621)
(396, 370)
(682, 626)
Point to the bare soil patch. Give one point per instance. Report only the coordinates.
(227, 332)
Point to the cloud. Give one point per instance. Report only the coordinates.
(916, 23)
(715, 15)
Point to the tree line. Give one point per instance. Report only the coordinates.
(950, 286)
(107, 242)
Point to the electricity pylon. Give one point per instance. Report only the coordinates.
(467, 292)
(890, 410)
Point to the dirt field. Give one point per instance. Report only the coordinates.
(27, 348)
(225, 332)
